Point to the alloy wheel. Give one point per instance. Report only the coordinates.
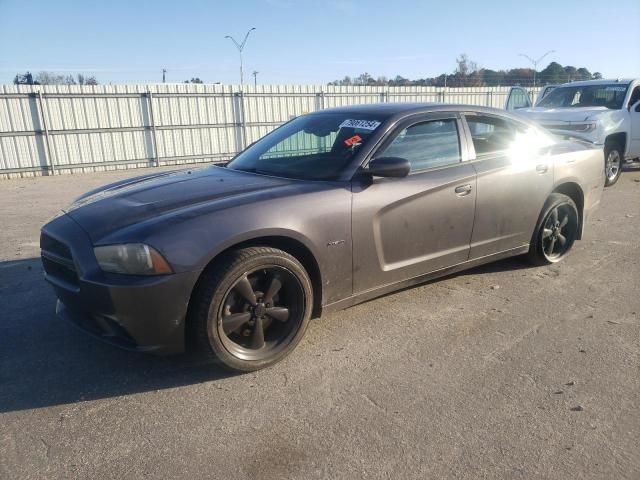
(613, 164)
(261, 313)
(559, 232)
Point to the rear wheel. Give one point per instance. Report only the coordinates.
(556, 231)
(251, 308)
(613, 160)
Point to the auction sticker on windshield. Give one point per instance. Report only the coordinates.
(362, 124)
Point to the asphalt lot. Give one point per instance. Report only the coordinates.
(505, 371)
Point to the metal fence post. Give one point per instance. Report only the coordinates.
(320, 100)
(47, 152)
(152, 126)
(243, 121)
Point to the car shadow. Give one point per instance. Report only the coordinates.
(506, 265)
(45, 361)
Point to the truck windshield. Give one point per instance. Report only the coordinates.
(607, 95)
(311, 147)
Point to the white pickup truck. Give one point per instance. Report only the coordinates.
(603, 112)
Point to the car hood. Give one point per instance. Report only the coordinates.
(577, 114)
(135, 200)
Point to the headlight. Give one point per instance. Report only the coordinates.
(573, 127)
(131, 259)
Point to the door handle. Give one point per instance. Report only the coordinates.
(463, 190)
(542, 168)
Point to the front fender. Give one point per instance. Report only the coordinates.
(318, 220)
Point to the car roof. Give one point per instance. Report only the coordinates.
(583, 83)
(392, 109)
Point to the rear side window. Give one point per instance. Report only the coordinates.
(490, 134)
(427, 144)
(498, 136)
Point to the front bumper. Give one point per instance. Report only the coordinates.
(142, 313)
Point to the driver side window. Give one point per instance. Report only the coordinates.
(635, 96)
(427, 144)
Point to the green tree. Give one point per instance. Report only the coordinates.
(571, 73)
(554, 73)
(584, 74)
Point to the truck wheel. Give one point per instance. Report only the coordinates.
(613, 159)
(251, 308)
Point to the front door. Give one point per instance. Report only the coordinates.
(517, 98)
(405, 227)
(634, 117)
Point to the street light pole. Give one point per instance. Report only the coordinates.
(240, 47)
(255, 78)
(535, 63)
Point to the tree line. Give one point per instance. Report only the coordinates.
(52, 78)
(466, 74)
(469, 74)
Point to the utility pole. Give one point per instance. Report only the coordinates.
(255, 78)
(164, 72)
(240, 47)
(535, 63)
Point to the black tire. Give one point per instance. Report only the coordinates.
(556, 231)
(221, 294)
(613, 162)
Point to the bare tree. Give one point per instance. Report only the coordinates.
(52, 78)
(24, 79)
(465, 65)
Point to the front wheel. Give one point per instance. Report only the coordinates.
(556, 231)
(613, 160)
(251, 308)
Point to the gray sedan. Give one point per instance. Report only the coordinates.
(331, 209)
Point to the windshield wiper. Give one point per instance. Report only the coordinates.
(253, 170)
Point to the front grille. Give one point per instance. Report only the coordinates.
(59, 270)
(54, 246)
(57, 260)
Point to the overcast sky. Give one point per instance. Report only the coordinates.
(127, 41)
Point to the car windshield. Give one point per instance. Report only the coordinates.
(311, 147)
(607, 95)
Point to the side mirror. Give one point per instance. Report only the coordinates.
(389, 167)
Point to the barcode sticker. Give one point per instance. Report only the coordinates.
(362, 124)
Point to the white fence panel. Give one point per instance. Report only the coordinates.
(48, 130)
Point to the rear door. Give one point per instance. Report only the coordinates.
(514, 178)
(405, 227)
(518, 98)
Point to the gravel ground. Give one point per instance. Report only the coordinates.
(504, 371)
